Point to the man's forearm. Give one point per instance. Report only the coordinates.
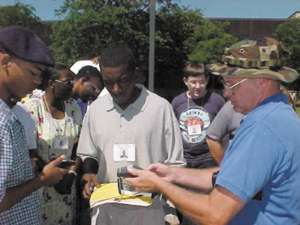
(216, 149)
(194, 205)
(217, 207)
(194, 178)
(15, 194)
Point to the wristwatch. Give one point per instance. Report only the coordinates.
(214, 177)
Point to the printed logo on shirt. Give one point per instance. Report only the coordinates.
(193, 124)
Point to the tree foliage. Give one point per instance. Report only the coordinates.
(208, 42)
(99, 23)
(289, 34)
(18, 14)
(181, 34)
(23, 15)
(82, 5)
(91, 25)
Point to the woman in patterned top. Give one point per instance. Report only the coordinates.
(58, 119)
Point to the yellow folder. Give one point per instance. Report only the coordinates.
(108, 193)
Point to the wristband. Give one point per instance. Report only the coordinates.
(90, 165)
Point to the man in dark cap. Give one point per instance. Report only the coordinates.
(259, 177)
(24, 59)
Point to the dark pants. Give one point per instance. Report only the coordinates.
(84, 215)
(83, 206)
(201, 161)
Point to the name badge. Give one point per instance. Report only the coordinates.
(194, 126)
(124, 152)
(61, 142)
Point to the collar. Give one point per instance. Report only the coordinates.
(139, 104)
(279, 97)
(6, 109)
(4, 105)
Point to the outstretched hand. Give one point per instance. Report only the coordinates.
(143, 180)
(149, 179)
(164, 172)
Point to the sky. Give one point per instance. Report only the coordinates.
(45, 9)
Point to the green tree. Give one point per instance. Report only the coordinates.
(289, 34)
(96, 24)
(90, 26)
(209, 41)
(174, 26)
(24, 15)
(18, 14)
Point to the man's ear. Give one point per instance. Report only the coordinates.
(184, 79)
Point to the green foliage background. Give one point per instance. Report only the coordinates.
(181, 34)
(289, 34)
(18, 14)
(91, 25)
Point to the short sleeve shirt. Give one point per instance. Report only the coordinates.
(196, 111)
(148, 126)
(225, 123)
(15, 169)
(29, 125)
(264, 156)
(55, 136)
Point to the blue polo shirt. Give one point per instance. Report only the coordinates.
(265, 156)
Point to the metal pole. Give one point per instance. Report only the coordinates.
(151, 45)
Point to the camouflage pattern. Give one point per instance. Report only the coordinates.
(254, 54)
(220, 69)
(254, 59)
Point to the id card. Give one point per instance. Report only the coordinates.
(194, 126)
(61, 142)
(124, 152)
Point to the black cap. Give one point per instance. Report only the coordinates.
(26, 45)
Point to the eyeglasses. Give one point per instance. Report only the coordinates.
(234, 85)
(66, 82)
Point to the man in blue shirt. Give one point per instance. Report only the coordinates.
(259, 177)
